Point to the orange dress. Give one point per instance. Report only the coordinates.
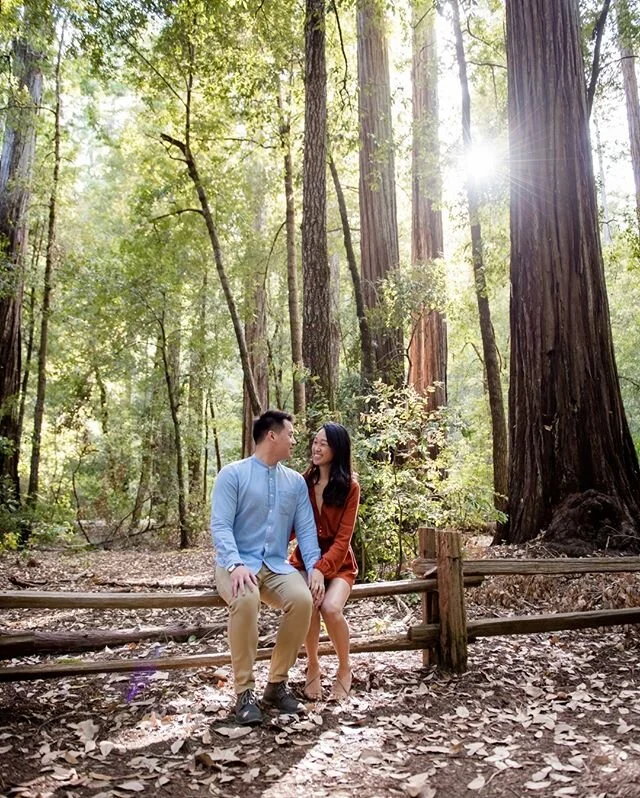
(335, 527)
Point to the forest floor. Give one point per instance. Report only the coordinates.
(548, 715)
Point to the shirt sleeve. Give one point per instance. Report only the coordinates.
(223, 513)
(305, 528)
(336, 554)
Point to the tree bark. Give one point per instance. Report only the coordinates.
(489, 347)
(569, 434)
(16, 166)
(316, 275)
(630, 82)
(428, 347)
(379, 252)
(49, 267)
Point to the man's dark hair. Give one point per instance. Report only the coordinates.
(270, 419)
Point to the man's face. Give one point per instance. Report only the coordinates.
(283, 441)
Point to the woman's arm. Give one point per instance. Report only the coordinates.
(331, 562)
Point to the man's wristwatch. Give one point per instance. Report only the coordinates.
(231, 568)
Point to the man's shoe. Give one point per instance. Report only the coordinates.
(278, 695)
(247, 709)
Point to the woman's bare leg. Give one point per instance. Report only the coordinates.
(313, 682)
(331, 609)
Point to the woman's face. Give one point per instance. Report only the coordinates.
(321, 452)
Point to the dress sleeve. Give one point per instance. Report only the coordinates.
(332, 560)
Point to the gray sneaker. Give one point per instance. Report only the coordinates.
(278, 695)
(247, 709)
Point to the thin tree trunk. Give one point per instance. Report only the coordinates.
(489, 348)
(35, 258)
(605, 227)
(379, 251)
(256, 337)
(16, 164)
(196, 398)
(174, 401)
(185, 148)
(295, 321)
(38, 413)
(367, 355)
(216, 439)
(573, 467)
(630, 82)
(428, 347)
(316, 275)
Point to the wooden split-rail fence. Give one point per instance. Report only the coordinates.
(441, 575)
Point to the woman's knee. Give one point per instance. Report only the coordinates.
(331, 609)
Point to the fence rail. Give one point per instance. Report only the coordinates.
(443, 634)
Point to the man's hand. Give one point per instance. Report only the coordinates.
(316, 586)
(242, 577)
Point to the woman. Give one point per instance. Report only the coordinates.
(334, 495)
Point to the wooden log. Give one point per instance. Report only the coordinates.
(452, 648)
(560, 565)
(54, 599)
(429, 599)
(534, 624)
(21, 644)
(59, 669)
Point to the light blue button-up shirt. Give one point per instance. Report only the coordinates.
(254, 509)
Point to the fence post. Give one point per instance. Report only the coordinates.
(452, 649)
(429, 600)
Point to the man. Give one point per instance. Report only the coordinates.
(256, 503)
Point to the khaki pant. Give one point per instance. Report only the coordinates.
(288, 592)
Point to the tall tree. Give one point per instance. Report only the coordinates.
(316, 275)
(487, 332)
(573, 467)
(630, 83)
(428, 346)
(38, 413)
(379, 250)
(16, 163)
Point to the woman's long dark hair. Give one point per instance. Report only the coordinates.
(341, 475)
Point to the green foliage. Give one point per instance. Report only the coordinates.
(416, 467)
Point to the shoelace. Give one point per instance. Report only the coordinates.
(247, 698)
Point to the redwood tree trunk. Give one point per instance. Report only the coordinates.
(16, 164)
(487, 333)
(379, 252)
(428, 347)
(574, 470)
(316, 276)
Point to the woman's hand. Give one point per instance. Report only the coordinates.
(316, 586)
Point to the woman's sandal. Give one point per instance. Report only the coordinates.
(313, 688)
(340, 690)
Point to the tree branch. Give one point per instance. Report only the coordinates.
(176, 213)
